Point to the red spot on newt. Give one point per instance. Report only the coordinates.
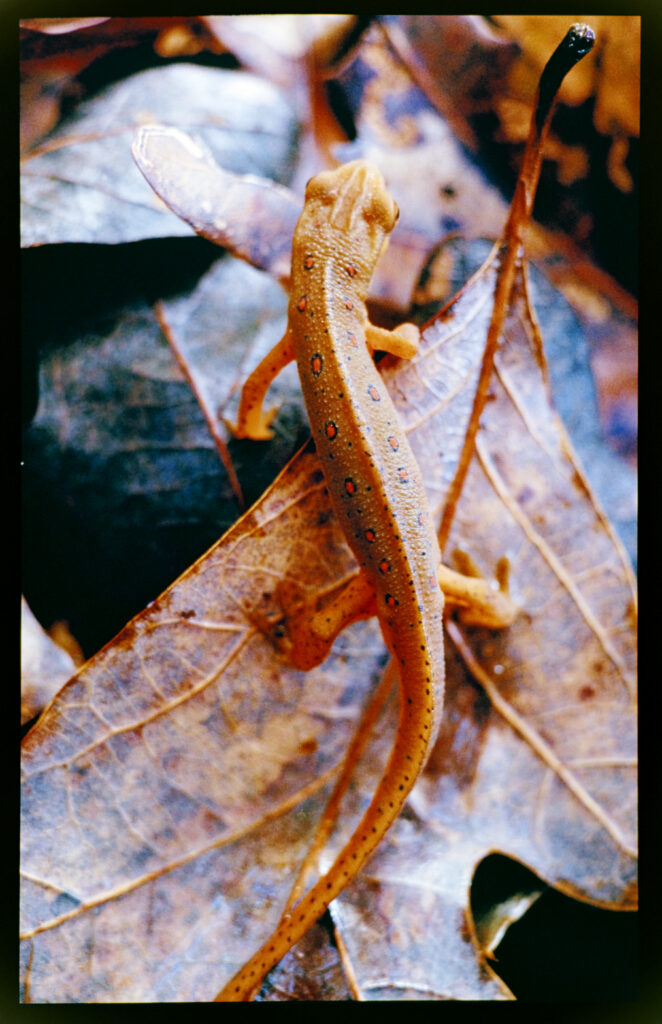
(302, 303)
(370, 536)
(350, 486)
(374, 393)
(393, 442)
(309, 263)
(330, 429)
(316, 364)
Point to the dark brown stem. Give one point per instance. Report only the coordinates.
(577, 42)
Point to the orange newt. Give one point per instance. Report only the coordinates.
(376, 491)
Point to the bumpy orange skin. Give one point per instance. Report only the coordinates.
(376, 491)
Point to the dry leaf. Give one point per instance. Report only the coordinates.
(45, 666)
(118, 446)
(458, 62)
(251, 216)
(56, 53)
(279, 46)
(57, 26)
(81, 184)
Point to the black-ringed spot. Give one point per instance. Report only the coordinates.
(302, 303)
(374, 393)
(331, 430)
(316, 364)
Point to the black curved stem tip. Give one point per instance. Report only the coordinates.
(577, 42)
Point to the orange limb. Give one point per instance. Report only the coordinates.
(402, 342)
(480, 602)
(308, 633)
(252, 420)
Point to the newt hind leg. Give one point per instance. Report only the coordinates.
(403, 341)
(308, 632)
(479, 602)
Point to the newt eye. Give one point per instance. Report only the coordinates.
(383, 210)
(321, 187)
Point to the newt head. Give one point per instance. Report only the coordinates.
(353, 197)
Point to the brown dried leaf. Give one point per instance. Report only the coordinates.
(293, 51)
(81, 184)
(548, 771)
(252, 217)
(173, 711)
(311, 972)
(457, 61)
(58, 26)
(443, 193)
(54, 52)
(280, 45)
